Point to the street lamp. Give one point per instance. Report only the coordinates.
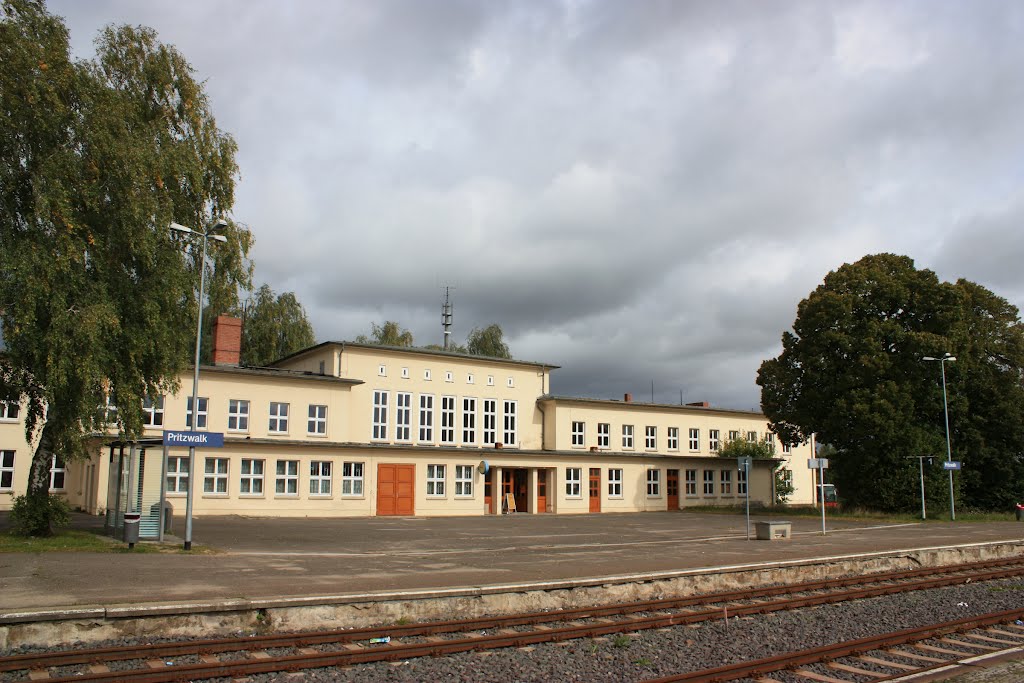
(945, 407)
(218, 225)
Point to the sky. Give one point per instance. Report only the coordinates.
(639, 192)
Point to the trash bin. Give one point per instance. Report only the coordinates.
(131, 528)
(1020, 511)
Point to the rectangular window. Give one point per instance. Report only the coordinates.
(320, 478)
(573, 482)
(752, 437)
(709, 482)
(627, 436)
(604, 435)
(578, 434)
(58, 470)
(251, 483)
(770, 440)
(741, 482)
(469, 421)
(509, 436)
(403, 416)
(435, 481)
(200, 414)
(650, 438)
(448, 419)
(6, 470)
(177, 474)
(691, 482)
(278, 423)
(787, 448)
(653, 483)
(153, 412)
(238, 415)
(317, 423)
(726, 482)
(615, 483)
(287, 481)
(490, 421)
(426, 418)
(673, 438)
(734, 435)
(787, 477)
(713, 441)
(694, 439)
(9, 410)
(215, 479)
(463, 481)
(380, 415)
(352, 479)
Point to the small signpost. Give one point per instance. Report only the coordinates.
(951, 465)
(194, 439)
(744, 466)
(820, 464)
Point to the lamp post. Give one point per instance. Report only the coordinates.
(208, 235)
(945, 408)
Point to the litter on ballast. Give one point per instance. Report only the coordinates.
(385, 639)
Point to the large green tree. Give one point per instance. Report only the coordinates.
(388, 334)
(851, 372)
(489, 341)
(274, 326)
(97, 158)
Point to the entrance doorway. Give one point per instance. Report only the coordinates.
(672, 489)
(542, 490)
(595, 489)
(516, 482)
(395, 489)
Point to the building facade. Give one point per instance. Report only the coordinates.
(345, 429)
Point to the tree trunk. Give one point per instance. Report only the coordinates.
(39, 483)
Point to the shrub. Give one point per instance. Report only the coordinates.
(39, 515)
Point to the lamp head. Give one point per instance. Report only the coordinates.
(177, 227)
(218, 225)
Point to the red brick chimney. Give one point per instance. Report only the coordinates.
(227, 340)
(628, 398)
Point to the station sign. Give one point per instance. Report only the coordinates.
(951, 465)
(817, 463)
(194, 439)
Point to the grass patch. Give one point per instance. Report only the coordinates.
(71, 541)
(643, 661)
(621, 640)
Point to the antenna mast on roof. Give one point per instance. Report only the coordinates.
(446, 318)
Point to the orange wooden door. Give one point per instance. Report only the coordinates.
(542, 491)
(672, 489)
(595, 489)
(395, 489)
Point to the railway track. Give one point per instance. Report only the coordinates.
(212, 658)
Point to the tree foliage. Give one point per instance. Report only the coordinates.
(488, 341)
(388, 334)
(741, 448)
(851, 371)
(273, 327)
(97, 158)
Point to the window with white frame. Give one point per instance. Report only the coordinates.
(770, 440)
(726, 479)
(426, 418)
(403, 416)
(278, 423)
(627, 436)
(713, 440)
(251, 481)
(490, 380)
(787, 477)
(447, 419)
(320, 478)
(380, 415)
(177, 474)
(673, 438)
(752, 437)
(694, 439)
(215, 476)
(426, 374)
(9, 410)
(604, 435)
(490, 421)
(382, 371)
(463, 481)
(614, 482)
(405, 373)
(787, 448)
(352, 479)
(468, 420)
(201, 412)
(449, 376)
(153, 412)
(741, 482)
(286, 482)
(709, 482)
(650, 437)
(578, 434)
(734, 435)
(573, 482)
(6, 470)
(510, 382)
(108, 411)
(691, 482)
(317, 422)
(653, 483)
(238, 415)
(58, 471)
(435, 481)
(470, 379)
(509, 435)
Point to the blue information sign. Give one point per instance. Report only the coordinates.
(951, 465)
(196, 439)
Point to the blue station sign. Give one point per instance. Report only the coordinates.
(951, 465)
(195, 439)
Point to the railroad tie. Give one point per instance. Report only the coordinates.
(915, 656)
(209, 659)
(990, 639)
(307, 651)
(818, 677)
(38, 675)
(352, 646)
(259, 654)
(156, 663)
(855, 670)
(99, 669)
(941, 651)
(1008, 634)
(886, 662)
(964, 643)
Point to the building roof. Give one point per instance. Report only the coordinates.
(636, 405)
(417, 351)
(279, 373)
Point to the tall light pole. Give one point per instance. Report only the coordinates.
(208, 235)
(945, 408)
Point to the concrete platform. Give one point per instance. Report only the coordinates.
(300, 560)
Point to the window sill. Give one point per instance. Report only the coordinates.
(216, 495)
(286, 496)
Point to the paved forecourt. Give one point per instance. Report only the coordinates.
(270, 558)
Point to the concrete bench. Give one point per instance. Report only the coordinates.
(773, 531)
